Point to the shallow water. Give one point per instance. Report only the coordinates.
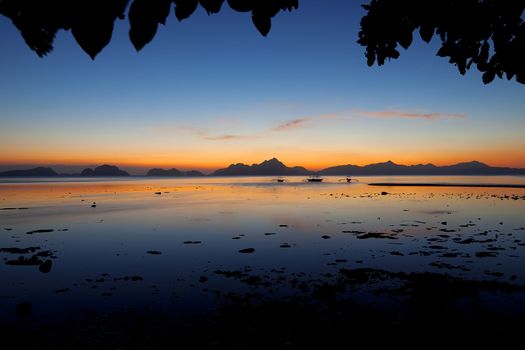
(173, 244)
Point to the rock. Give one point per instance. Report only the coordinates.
(486, 254)
(94, 205)
(247, 250)
(45, 267)
(191, 242)
(325, 237)
(203, 279)
(395, 252)
(154, 252)
(285, 245)
(39, 231)
(375, 235)
(158, 192)
(384, 193)
(21, 261)
(19, 250)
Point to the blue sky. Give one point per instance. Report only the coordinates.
(211, 90)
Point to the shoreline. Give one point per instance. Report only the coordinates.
(426, 184)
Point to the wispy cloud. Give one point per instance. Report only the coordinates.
(411, 115)
(292, 124)
(227, 137)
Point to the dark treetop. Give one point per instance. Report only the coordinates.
(489, 34)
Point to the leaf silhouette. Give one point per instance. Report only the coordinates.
(211, 6)
(262, 23)
(241, 5)
(144, 18)
(184, 8)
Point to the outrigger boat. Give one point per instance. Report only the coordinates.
(314, 178)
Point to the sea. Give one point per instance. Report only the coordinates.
(183, 246)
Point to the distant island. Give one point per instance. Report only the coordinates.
(173, 172)
(274, 167)
(104, 170)
(40, 171)
(391, 168)
(268, 167)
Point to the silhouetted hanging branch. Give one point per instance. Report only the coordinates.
(489, 34)
(91, 21)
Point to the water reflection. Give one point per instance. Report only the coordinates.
(181, 244)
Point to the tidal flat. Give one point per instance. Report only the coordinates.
(210, 261)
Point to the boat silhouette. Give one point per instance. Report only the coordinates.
(314, 178)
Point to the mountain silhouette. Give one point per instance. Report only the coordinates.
(40, 171)
(268, 167)
(277, 168)
(104, 170)
(173, 172)
(391, 168)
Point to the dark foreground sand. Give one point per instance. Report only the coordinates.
(409, 308)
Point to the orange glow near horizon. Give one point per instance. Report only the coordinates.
(312, 160)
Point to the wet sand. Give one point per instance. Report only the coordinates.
(423, 184)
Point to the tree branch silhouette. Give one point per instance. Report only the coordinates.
(489, 34)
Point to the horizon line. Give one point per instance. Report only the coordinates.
(209, 170)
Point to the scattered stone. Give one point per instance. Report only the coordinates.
(39, 231)
(19, 250)
(22, 261)
(45, 267)
(486, 254)
(203, 279)
(381, 235)
(395, 252)
(247, 250)
(285, 245)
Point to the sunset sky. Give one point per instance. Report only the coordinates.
(210, 91)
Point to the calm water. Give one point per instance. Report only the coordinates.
(169, 244)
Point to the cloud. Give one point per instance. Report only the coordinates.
(226, 137)
(411, 115)
(292, 124)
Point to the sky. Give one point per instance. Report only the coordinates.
(210, 91)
